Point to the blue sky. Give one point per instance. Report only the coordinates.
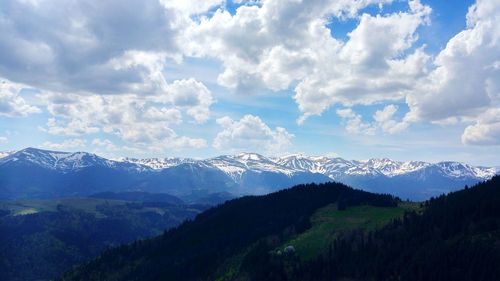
(408, 80)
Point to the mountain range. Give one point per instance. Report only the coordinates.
(37, 173)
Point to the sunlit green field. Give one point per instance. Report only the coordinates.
(25, 207)
(328, 223)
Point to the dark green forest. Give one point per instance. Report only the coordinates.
(63, 233)
(195, 249)
(456, 237)
(452, 237)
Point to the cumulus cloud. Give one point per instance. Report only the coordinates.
(251, 133)
(72, 46)
(192, 96)
(100, 66)
(465, 80)
(485, 131)
(104, 143)
(12, 104)
(385, 120)
(279, 43)
(382, 120)
(354, 122)
(464, 86)
(139, 120)
(191, 7)
(74, 127)
(66, 144)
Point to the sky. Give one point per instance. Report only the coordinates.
(358, 79)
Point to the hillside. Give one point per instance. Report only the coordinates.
(454, 237)
(195, 249)
(40, 239)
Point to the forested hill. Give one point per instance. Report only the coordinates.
(194, 250)
(452, 237)
(457, 237)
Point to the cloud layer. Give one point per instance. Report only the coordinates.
(100, 69)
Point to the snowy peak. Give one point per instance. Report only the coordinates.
(461, 170)
(5, 153)
(246, 157)
(56, 160)
(336, 168)
(236, 166)
(300, 162)
(393, 168)
(157, 163)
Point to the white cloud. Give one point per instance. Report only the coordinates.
(11, 103)
(191, 7)
(485, 131)
(250, 133)
(465, 81)
(382, 120)
(104, 143)
(74, 47)
(193, 96)
(66, 144)
(280, 43)
(74, 127)
(372, 66)
(385, 120)
(4, 140)
(100, 66)
(354, 122)
(138, 120)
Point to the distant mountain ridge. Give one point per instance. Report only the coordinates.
(329, 166)
(244, 173)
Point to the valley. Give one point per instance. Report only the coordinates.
(41, 238)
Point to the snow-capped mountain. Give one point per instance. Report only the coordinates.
(336, 168)
(156, 163)
(236, 165)
(60, 161)
(5, 153)
(54, 173)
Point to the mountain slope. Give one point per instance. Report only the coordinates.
(58, 174)
(455, 237)
(40, 239)
(195, 249)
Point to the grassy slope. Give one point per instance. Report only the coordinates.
(88, 205)
(328, 222)
(196, 250)
(24, 207)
